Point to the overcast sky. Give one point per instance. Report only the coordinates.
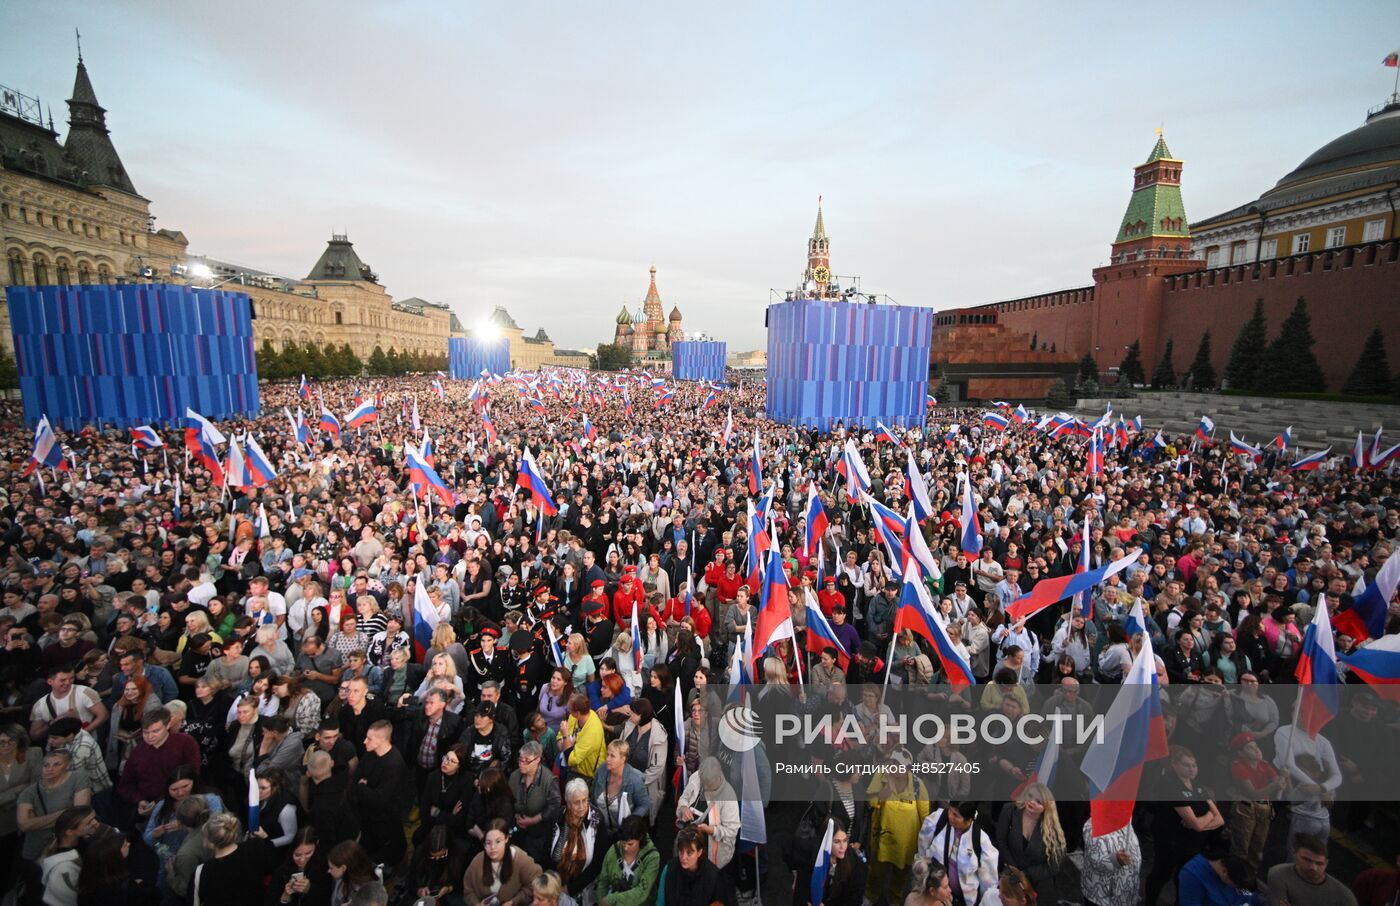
(543, 156)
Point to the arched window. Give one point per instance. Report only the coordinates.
(104, 276)
(16, 269)
(64, 274)
(41, 271)
(84, 273)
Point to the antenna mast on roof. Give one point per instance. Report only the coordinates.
(79, 35)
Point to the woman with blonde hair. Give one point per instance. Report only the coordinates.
(1029, 837)
(442, 674)
(444, 641)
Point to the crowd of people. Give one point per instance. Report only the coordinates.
(218, 695)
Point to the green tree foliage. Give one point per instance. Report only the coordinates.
(1202, 372)
(1165, 375)
(270, 365)
(315, 361)
(1290, 366)
(293, 360)
(349, 361)
(1371, 376)
(378, 362)
(1130, 369)
(1088, 368)
(612, 357)
(1242, 371)
(1057, 397)
(9, 371)
(1034, 337)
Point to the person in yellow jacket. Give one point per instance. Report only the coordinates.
(582, 738)
(899, 805)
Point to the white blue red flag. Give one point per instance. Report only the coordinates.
(816, 519)
(304, 391)
(425, 618)
(822, 635)
(917, 614)
(146, 438)
(971, 525)
(915, 488)
(363, 413)
(822, 867)
(1311, 462)
(774, 619)
(995, 420)
(1054, 590)
(531, 478)
(260, 469)
(1093, 464)
(201, 439)
(1285, 437)
(1357, 459)
(1317, 675)
(1019, 414)
(1378, 663)
(1205, 430)
(47, 450)
(885, 435)
(755, 467)
(329, 423)
(1370, 604)
(426, 479)
(486, 423)
(236, 472)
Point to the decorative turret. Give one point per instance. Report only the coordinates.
(817, 279)
(624, 316)
(89, 145)
(675, 314)
(1155, 224)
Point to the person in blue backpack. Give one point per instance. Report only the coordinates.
(1216, 878)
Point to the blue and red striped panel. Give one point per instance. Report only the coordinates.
(698, 360)
(466, 356)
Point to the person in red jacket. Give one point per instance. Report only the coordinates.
(728, 586)
(629, 592)
(147, 772)
(829, 598)
(715, 571)
(597, 597)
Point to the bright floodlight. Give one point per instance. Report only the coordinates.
(200, 270)
(486, 331)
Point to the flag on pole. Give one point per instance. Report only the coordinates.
(260, 470)
(1285, 437)
(47, 450)
(970, 524)
(254, 802)
(917, 613)
(852, 466)
(1205, 430)
(822, 867)
(202, 439)
(821, 635)
(361, 415)
(145, 437)
(416, 422)
(1391, 59)
(1317, 675)
(1378, 663)
(885, 435)
(996, 420)
(329, 423)
(728, 427)
(304, 390)
(425, 618)
(915, 488)
(755, 467)
(425, 478)
(1370, 607)
(636, 639)
(531, 478)
(816, 519)
(1135, 735)
(1094, 463)
(774, 619)
(1311, 462)
(1051, 591)
(236, 473)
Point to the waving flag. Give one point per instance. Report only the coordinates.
(300, 433)
(1377, 662)
(885, 435)
(755, 467)
(774, 620)
(1317, 675)
(424, 478)
(425, 618)
(260, 470)
(758, 545)
(626, 403)
(589, 431)
(852, 466)
(264, 529)
(1120, 434)
(1285, 437)
(1357, 460)
(47, 450)
(914, 553)
(1312, 462)
(1093, 463)
(1239, 447)
(822, 635)
(915, 489)
(1085, 602)
(236, 473)
(1205, 430)
(663, 398)
(555, 647)
(427, 449)
(531, 478)
(817, 522)
(710, 400)
(689, 586)
(1044, 770)
(486, 423)
(917, 614)
(304, 391)
(1371, 605)
(995, 420)
(1159, 442)
(1135, 622)
(536, 403)
(1019, 414)
(329, 423)
(728, 427)
(971, 526)
(201, 439)
(439, 390)
(1051, 591)
(678, 717)
(889, 526)
(145, 437)
(254, 801)
(1135, 736)
(417, 424)
(1384, 457)
(822, 867)
(636, 639)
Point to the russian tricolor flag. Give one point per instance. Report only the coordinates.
(755, 467)
(1317, 674)
(817, 522)
(916, 489)
(439, 390)
(822, 867)
(425, 618)
(329, 423)
(853, 467)
(1093, 464)
(486, 423)
(995, 420)
(1241, 448)
(146, 438)
(589, 431)
(236, 473)
(1285, 437)
(531, 478)
(917, 614)
(774, 620)
(304, 391)
(1051, 591)
(626, 403)
(636, 639)
(728, 427)
(884, 434)
(1311, 462)
(971, 526)
(1205, 430)
(1135, 735)
(663, 398)
(710, 400)
(299, 429)
(1377, 662)
(201, 439)
(47, 450)
(426, 479)
(1371, 606)
(821, 634)
(1019, 414)
(1358, 453)
(260, 470)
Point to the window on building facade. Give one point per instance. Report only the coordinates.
(1239, 253)
(1268, 249)
(16, 269)
(84, 274)
(41, 272)
(338, 318)
(1375, 230)
(1212, 257)
(1301, 243)
(64, 276)
(1336, 236)
(104, 276)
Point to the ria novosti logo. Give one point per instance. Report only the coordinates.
(739, 729)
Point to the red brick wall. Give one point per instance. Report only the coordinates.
(1350, 292)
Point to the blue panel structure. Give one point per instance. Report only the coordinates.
(698, 360)
(466, 357)
(132, 354)
(845, 362)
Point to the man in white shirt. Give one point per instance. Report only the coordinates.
(202, 588)
(66, 699)
(276, 604)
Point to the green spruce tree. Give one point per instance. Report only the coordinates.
(1035, 336)
(1371, 376)
(349, 361)
(1130, 370)
(1202, 372)
(315, 361)
(1057, 397)
(1242, 370)
(378, 362)
(1165, 375)
(1290, 366)
(1088, 368)
(269, 363)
